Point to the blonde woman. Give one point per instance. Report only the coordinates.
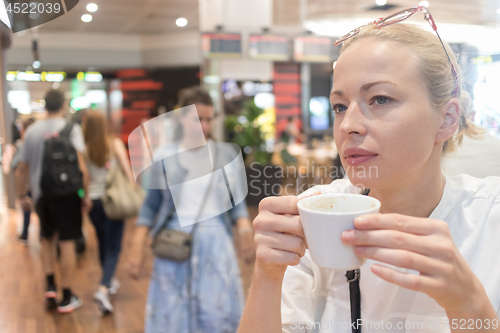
(102, 151)
(432, 252)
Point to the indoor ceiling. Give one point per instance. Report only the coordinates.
(128, 16)
(158, 16)
(479, 12)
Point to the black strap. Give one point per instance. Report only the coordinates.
(66, 131)
(355, 293)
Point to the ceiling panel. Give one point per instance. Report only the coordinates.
(129, 16)
(457, 11)
(156, 16)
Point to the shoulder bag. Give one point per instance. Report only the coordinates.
(176, 245)
(122, 198)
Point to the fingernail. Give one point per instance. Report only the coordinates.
(348, 235)
(360, 220)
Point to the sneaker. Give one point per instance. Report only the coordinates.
(50, 298)
(115, 284)
(103, 302)
(23, 241)
(69, 306)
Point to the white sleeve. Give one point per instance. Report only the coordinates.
(76, 137)
(299, 296)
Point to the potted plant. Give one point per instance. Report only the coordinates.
(246, 131)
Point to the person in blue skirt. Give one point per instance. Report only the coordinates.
(203, 293)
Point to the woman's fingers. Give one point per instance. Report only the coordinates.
(279, 205)
(279, 236)
(283, 242)
(400, 258)
(406, 280)
(392, 239)
(275, 257)
(280, 223)
(408, 224)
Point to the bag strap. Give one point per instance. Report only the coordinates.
(200, 210)
(66, 131)
(355, 293)
(205, 196)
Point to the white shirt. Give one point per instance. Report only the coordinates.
(320, 296)
(193, 192)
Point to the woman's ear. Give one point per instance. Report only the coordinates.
(450, 120)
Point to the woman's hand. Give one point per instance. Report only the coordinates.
(279, 237)
(136, 254)
(86, 204)
(246, 246)
(25, 202)
(134, 263)
(423, 245)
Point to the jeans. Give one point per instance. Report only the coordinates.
(109, 234)
(26, 221)
(26, 224)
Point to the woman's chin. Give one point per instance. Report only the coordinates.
(365, 182)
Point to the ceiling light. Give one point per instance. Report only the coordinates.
(36, 64)
(424, 3)
(92, 7)
(86, 17)
(181, 22)
(498, 11)
(381, 2)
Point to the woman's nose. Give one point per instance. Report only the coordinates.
(353, 120)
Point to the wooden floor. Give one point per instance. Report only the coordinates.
(22, 285)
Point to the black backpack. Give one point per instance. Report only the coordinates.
(61, 175)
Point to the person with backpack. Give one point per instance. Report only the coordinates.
(53, 162)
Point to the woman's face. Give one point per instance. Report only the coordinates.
(385, 127)
(204, 116)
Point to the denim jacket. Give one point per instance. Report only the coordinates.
(159, 203)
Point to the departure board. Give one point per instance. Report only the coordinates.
(221, 45)
(269, 47)
(312, 49)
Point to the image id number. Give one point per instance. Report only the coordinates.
(33, 8)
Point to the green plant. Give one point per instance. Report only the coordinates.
(245, 131)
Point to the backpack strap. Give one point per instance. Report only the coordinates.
(66, 131)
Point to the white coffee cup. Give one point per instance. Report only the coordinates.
(324, 217)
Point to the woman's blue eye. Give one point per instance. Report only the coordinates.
(337, 108)
(380, 100)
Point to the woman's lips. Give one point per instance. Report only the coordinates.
(357, 156)
(356, 160)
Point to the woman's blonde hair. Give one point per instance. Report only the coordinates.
(97, 137)
(436, 71)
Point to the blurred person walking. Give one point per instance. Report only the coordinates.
(203, 293)
(103, 151)
(53, 163)
(23, 237)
